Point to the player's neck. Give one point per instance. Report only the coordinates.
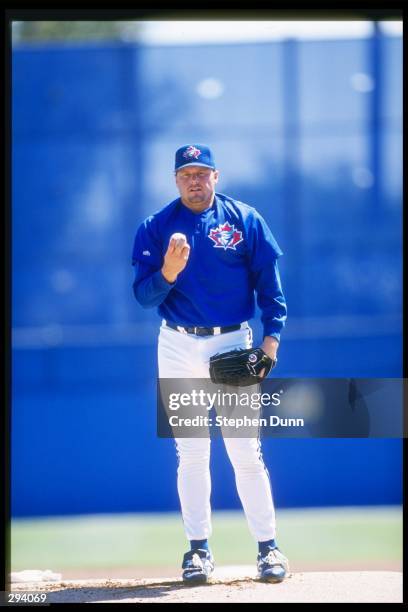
(200, 206)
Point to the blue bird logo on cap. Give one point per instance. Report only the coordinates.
(192, 153)
(195, 154)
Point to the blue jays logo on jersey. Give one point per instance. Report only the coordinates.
(192, 152)
(225, 236)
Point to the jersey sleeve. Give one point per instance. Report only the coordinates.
(146, 247)
(264, 253)
(150, 288)
(262, 243)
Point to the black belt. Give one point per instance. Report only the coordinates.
(203, 331)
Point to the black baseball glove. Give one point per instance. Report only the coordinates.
(240, 367)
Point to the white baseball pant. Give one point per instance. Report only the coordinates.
(187, 356)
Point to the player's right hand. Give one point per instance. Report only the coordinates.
(176, 257)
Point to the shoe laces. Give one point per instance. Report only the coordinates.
(274, 557)
(195, 561)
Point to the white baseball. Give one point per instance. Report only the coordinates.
(181, 239)
(179, 236)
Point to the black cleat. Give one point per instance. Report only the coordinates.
(198, 565)
(272, 567)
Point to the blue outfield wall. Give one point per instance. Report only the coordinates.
(313, 141)
(84, 440)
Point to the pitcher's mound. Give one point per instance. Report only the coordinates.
(231, 585)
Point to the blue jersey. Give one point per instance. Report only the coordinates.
(233, 256)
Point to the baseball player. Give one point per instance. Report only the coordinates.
(201, 260)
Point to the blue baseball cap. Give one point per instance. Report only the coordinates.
(194, 155)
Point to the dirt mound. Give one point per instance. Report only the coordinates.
(229, 585)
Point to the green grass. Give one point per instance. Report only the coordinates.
(332, 535)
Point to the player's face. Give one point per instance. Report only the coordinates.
(196, 185)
